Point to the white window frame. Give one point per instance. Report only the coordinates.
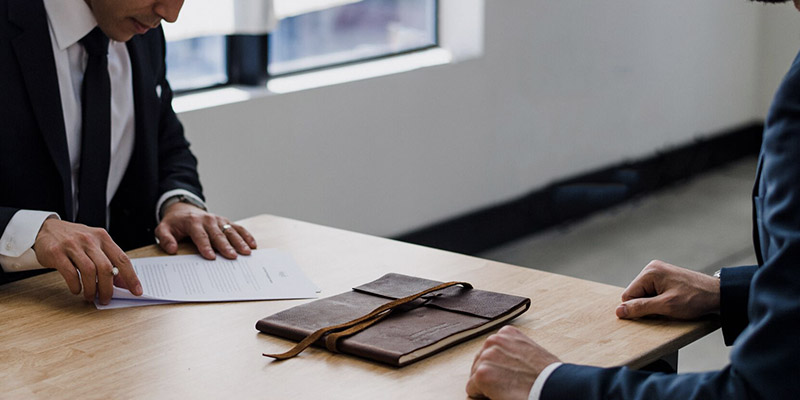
(461, 38)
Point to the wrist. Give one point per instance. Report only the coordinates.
(178, 207)
(47, 224)
(714, 293)
(177, 196)
(181, 199)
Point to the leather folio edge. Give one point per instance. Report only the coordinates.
(453, 340)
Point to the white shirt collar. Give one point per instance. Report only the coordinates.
(71, 20)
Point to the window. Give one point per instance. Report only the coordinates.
(196, 63)
(361, 30)
(354, 32)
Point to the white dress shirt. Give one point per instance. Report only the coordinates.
(69, 22)
(538, 384)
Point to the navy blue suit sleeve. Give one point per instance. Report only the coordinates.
(765, 359)
(571, 381)
(734, 295)
(768, 350)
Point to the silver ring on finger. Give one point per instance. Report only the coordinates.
(114, 271)
(226, 227)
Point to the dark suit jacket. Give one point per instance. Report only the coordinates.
(34, 161)
(760, 306)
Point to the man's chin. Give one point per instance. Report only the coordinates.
(116, 35)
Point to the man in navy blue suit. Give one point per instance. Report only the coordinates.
(759, 306)
(93, 159)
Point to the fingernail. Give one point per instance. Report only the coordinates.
(622, 311)
(138, 291)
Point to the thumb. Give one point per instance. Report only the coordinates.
(637, 308)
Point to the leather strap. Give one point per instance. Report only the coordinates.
(336, 332)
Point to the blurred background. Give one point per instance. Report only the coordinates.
(580, 137)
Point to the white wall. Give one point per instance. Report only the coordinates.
(778, 44)
(564, 86)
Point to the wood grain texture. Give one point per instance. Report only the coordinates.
(53, 344)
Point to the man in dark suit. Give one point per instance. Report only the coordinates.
(94, 159)
(759, 306)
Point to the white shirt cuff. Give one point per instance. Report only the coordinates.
(19, 236)
(26, 262)
(172, 193)
(538, 384)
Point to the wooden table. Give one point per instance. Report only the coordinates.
(54, 345)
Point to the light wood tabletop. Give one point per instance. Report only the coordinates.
(55, 345)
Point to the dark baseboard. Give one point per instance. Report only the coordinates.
(575, 198)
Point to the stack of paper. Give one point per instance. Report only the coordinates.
(268, 274)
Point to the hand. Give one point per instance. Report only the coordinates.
(507, 365)
(183, 220)
(665, 289)
(70, 248)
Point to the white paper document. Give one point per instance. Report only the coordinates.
(268, 274)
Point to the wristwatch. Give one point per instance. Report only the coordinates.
(182, 198)
(717, 273)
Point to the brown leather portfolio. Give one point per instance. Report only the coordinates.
(395, 320)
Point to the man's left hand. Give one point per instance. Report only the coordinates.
(507, 365)
(183, 220)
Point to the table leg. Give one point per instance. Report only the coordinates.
(668, 364)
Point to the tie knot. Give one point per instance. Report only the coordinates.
(95, 42)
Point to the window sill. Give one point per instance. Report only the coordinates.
(312, 80)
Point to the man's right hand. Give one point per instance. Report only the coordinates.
(69, 248)
(664, 289)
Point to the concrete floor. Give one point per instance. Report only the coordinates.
(703, 224)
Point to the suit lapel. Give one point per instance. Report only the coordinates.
(146, 109)
(34, 54)
(756, 210)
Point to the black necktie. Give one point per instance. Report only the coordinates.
(96, 132)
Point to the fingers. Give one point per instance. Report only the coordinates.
(246, 236)
(220, 241)
(241, 240)
(644, 283)
(87, 272)
(201, 240)
(638, 300)
(84, 256)
(479, 375)
(70, 274)
(507, 365)
(512, 331)
(166, 240)
(127, 277)
(638, 308)
(228, 242)
(638, 288)
(105, 278)
(484, 369)
(651, 281)
(209, 232)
